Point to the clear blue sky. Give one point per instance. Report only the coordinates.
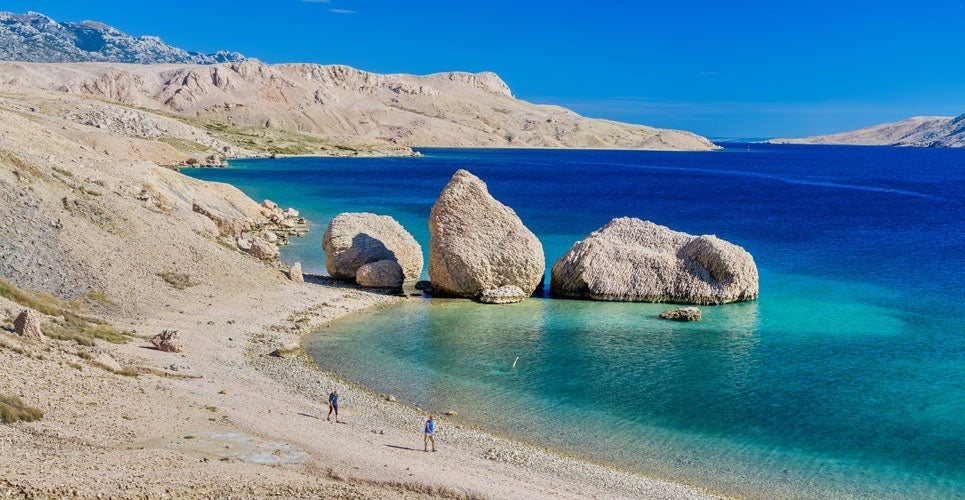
(721, 69)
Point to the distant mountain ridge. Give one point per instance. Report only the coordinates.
(333, 102)
(34, 37)
(921, 131)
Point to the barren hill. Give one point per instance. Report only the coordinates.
(342, 103)
(925, 131)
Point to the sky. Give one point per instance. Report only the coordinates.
(734, 69)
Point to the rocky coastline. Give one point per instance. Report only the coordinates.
(160, 300)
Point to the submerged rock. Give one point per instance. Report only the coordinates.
(477, 244)
(634, 260)
(354, 239)
(27, 325)
(682, 314)
(503, 295)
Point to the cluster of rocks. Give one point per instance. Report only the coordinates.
(259, 238)
(480, 249)
(212, 160)
(372, 250)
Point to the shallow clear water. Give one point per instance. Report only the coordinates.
(844, 379)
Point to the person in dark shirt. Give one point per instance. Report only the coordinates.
(333, 405)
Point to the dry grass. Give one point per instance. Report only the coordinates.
(22, 166)
(186, 146)
(99, 298)
(126, 371)
(72, 323)
(177, 280)
(65, 173)
(13, 410)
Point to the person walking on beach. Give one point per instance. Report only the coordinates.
(430, 430)
(333, 405)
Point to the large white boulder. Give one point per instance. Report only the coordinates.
(478, 245)
(635, 260)
(354, 239)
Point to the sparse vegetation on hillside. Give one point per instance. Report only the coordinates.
(276, 141)
(71, 322)
(177, 280)
(20, 165)
(187, 147)
(12, 409)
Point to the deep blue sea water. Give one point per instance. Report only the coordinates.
(844, 380)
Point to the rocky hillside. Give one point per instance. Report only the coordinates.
(339, 103)
(342, 103)
(923, 131)
(35, 37)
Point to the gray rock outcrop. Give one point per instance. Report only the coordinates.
(354, 239)
(168, 341)
(37, 38)
(634, 260)
(682, 314)
(381, 274)
(478, 245)
(27, 325)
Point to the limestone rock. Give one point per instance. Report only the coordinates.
(634, 260)
(244, 244)
(477, 244)
(682, 314)
(381, 274)
(227, 226)
(295, 273)
(503, 295)
(168, 341)
(27, 325)
(270, 205)
(354, 239)
(261, 249)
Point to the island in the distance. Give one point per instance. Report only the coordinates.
(921, 131)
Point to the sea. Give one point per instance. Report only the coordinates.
(846, 379)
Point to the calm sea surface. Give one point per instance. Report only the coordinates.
(846, 378)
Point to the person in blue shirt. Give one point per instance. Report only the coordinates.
(333, 405)
(430, 430)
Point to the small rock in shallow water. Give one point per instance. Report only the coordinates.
(682, 314)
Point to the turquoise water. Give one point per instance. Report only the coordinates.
(843, 380)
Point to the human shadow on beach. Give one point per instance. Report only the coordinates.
(312, 416)
(402, 447)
